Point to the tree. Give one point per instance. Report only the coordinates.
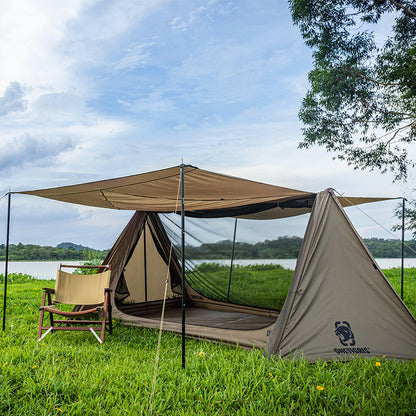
(361, 104)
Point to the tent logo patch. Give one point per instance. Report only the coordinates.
(344, 333)
(347, 339)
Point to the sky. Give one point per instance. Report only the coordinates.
(96, 89)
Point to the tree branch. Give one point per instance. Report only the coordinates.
(407, 11)
(367, 78)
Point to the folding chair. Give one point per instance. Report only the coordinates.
(87, 290)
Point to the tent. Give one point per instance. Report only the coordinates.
(339, 305)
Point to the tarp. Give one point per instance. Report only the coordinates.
(207, 194)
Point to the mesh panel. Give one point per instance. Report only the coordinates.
(245, 271)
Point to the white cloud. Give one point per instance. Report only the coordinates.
(136, 56)
(31, 33)
(204, 13)
(20, 152)
(13, 99)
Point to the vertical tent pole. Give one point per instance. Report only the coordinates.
(232, 261)
(145, 259)
(402, 271)
(183, 259)
(7, 261)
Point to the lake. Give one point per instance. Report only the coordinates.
(47, 269)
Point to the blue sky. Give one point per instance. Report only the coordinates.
(95, 89)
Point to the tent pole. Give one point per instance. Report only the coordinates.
(183, 259)
(7, 261)
(402, 265)
(145, 259)
(232, 261)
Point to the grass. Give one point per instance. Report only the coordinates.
(71, 374)
(266, 285)
(261, 285)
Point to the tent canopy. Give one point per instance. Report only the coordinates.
(207, 194)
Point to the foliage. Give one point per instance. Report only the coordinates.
(27, 252)
(17, 278)
(282, 248)
(288, 248)
(409, 216)
(71, 374)
(91, 260)
(362, 98)
(382, 248)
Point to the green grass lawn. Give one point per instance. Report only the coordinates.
(260, 285)
(70, 373)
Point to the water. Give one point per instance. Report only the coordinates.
(290, 263)
(38, 269)
(47, 269)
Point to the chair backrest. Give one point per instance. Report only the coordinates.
(79, 289)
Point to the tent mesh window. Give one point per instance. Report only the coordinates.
(237, 261)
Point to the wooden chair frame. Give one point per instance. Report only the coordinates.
(73, 317)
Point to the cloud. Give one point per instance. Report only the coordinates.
(13, 99)
(206, 12)
(136, 56)
(26, 149)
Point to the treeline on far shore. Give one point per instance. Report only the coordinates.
(33, 252)
(288, 248)
(282, 248)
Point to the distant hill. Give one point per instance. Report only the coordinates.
(64, 251)
(77, 247)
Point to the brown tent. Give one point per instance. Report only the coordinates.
(140, 259)
(339, 303)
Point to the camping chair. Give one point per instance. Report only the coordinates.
(73, 289)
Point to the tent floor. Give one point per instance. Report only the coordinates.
(212, 318)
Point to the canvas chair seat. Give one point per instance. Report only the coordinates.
(73, 289)
(54, 309)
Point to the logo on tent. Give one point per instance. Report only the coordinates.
(344, 333)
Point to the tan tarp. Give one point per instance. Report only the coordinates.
(158, 191)
(340, 304)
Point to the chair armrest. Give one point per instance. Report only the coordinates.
(48, 290)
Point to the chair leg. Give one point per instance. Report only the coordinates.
(44, 335)
(110, 320)
(42, 312)
(40, 324)
(100, 340)
(103, 327)
(104, 321)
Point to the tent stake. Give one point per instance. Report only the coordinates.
(183, 259)
(7, 261)
(232, 261)
(402, 271)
